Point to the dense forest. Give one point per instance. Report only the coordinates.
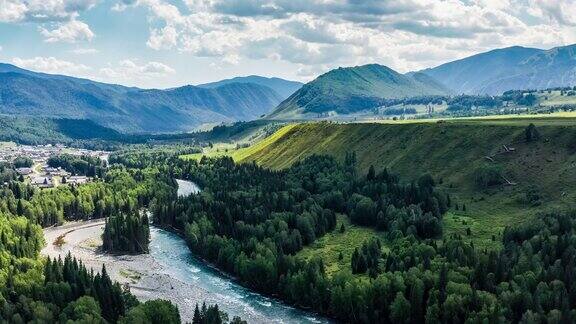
(251, 222)
(79, 165)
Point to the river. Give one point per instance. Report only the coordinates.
(171, 252)
(171, 272)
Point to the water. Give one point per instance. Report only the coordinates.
(173, 254)
(171, 251)
(186, 188)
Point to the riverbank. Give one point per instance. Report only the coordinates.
(169, 272)
(146, 278)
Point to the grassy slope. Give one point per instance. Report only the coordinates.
(450, 151)
(332, 244)
(241, 154)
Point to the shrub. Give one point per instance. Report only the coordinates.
(488, 176)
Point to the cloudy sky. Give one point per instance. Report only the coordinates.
(166, 43)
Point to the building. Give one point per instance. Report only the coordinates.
(77, 180)
(42, 182)
(24, 171)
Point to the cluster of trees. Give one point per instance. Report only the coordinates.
(212, 315)
(467, 102)
(90, 166)
(126, 233)
(520, 97)
(22, 162)
(367, 258)
(399, 111)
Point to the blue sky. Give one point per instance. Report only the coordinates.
(167, 43)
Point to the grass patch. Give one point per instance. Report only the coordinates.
(134, 276)
(332, 244)
(227, 149)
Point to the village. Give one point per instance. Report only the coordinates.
(40, 174)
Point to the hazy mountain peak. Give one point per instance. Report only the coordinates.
(510, 68)
(284, 88)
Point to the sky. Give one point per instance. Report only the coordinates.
(169, 43)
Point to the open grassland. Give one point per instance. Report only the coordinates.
(451, 152)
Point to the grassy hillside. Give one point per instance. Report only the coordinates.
(452, 152)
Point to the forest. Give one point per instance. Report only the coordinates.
(250, 222)
(126, 233)
(38, 290)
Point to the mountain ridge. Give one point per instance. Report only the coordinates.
(511, 68)
(284, 88)
(130, 109)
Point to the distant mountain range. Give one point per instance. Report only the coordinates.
(340, 91)
(512, 68)
(284, 88)
(128, 109)
(353, 89)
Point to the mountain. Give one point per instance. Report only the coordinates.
(353, 89)
(509, 68)
(284, 88)
(130, 110)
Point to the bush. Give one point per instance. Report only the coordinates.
(531, 133)
(488, 176)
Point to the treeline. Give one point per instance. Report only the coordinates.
(122, 190)
(212, 315)
(126, 233)
(90, 166)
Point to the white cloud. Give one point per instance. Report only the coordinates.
(405, 34)
(164, 38)
(11, 11)
(42, 10)
(52, 65)
(84, 51)
(70, 32)
(129, 71)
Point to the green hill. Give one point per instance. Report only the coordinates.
(353, 89)
(454, 153)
